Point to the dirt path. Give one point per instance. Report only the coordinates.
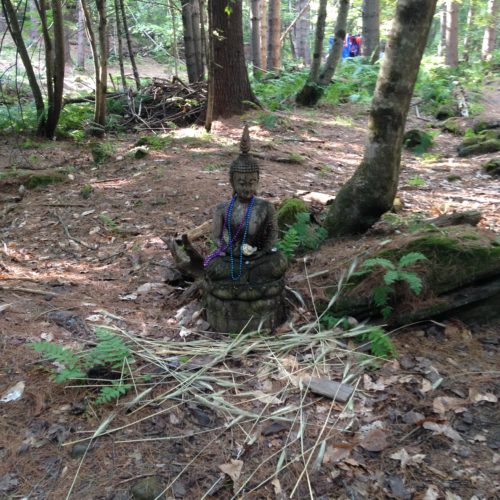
(102, 259)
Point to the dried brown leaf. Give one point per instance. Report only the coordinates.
(233, 469)
(375, 440)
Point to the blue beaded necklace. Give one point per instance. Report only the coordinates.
(248, 214)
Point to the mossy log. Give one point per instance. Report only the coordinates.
(462, 272)
(492, 167)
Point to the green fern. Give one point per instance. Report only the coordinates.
(109, 393)
(109, 352)
(381, 345)
(394, 273)
(289, 243)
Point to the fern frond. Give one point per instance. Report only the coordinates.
(111, 392)
(381, 345)
(69, 374)
(381, 295)
(110, 350)
(57, 353)
(289, 243)
(377, 261)
(391, 276)
(414, 282)
(411, 258)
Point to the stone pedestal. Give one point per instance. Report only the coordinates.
(232, 307)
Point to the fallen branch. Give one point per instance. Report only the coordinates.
(27, 290)
(73, 238)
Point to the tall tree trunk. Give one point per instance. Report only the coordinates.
(100, 64)
(308, 95)
(54, 61)
(490, 34)
(371, 29)
(273, 40)
(263, 34)
(451, 53)
(338, 44)
(81, 39)
(16, 34)
(256, 28)
(371, 190)
(301, 32)
(442, 31)
(131, 56)
(174, 36)
(189, 48)
(67, 35)
(229, 89)
(35, 23)
(119, 36)
(198, 51)
(204, 34)
(468, 31)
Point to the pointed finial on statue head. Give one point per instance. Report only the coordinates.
(245, 141)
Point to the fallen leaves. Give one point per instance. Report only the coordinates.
(232, 469)
(444, 429)
(334, 454)
(375, 440)
(443, 404)
(406, 459)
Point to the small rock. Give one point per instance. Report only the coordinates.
(412, 417)
(407, 362)
(148, 488)
(463, 451)
(78, 450)
(69, 321)
(178, 490)
(467, 417)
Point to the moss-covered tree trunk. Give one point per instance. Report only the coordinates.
(371, 190)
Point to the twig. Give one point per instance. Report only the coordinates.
(28, 290)
(73, 238)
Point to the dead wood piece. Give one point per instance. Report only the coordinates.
(315, 197)
(188, 266)
(471, 217)
(76, 240)
(330, 389)
(199, 231)
(27, 290)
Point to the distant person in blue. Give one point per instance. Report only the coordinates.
(351, 48)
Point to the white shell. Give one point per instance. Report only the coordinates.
(248, 250)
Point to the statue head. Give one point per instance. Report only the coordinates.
(244, 171)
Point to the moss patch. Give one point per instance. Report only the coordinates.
(492, 167)
(287, 213)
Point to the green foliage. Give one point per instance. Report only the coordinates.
(301, 236)
(110, 224)
(393, 273)
(287, 212)
(73, 119)
(418, 141)
(381, 345)
(110, 352)
(416, 181)
(37, 180)
(101, 151)
(86, 191)
(154, 142)
(214, 167)
(278, 93)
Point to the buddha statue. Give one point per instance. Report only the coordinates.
(244, 276)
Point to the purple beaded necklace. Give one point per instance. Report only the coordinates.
(223, 246)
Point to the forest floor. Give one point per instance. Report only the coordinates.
(424, 425)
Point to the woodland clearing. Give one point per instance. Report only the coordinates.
(424, 425)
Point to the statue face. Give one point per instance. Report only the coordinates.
(245, 185)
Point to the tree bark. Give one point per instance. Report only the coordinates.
(174, 36)
(54, 61)
(131, 56)
(274, 32)
(338, 44)
(256, 28)
(16, 34)
(490, 34)
(189, 49)
(468, 31)
(311, 92)
(301, 31)
(81, 41)
(229, 87)
(204, 35)
(197, 41)
(370, 191)
(119, 38)
(263, 34)
(451, 53)
(442, 31)
(68, 33)
(371, 29)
